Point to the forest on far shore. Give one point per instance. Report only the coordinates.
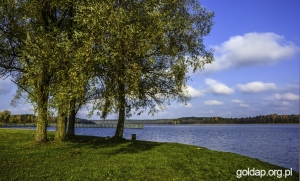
(7, 117)
(262, 119)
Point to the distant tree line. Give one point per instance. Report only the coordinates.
(7, 117)
(83, 121)
(262, 119)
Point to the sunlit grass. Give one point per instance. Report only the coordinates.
(94, 158)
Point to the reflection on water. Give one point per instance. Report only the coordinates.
(277, 144)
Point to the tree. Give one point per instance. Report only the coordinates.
(76, 104)
(18, 119)
(12, 119)
(149, 48)
(28, 119)
(29, 33)
(44, 57)
(73, 79)
(4, 116)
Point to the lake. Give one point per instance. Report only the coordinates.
(274, 143)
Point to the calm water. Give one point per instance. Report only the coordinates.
(276, 144)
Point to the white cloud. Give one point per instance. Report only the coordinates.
(237, 101)
(252, 49)
(213, 103)
(285, 103)
(216, 87)
(287, 97)
(240, 102)
(244, 105)
(277, 103)
(82, 113)
(194, 92)
(5, 86)
(254, 87)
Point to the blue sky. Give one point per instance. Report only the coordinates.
(256, 68)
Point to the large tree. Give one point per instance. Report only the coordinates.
(92, 93)
(149, 47)
(74, 62)
(16, 25)
(46, 55)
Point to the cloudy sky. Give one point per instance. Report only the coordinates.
(256, 67)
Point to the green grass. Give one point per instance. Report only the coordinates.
(94, 158)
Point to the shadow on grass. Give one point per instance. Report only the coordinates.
(118, 146)
(136, 147)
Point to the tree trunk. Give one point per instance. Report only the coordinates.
(41, 124)
(60, 133)
(121, 120)
(71, 125)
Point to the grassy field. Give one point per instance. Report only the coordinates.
(94, 158)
